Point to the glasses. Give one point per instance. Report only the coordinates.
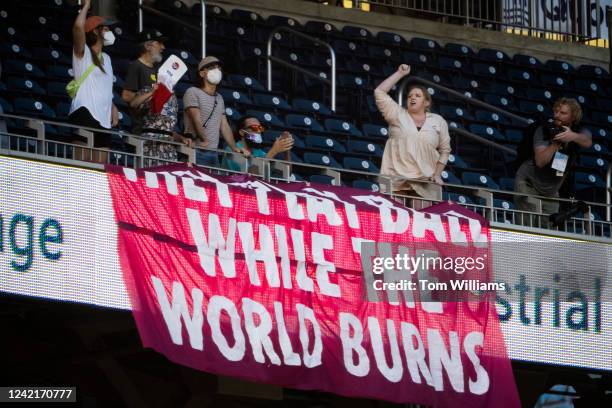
(255, 128)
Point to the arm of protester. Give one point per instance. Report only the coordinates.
(142, 98)
(193, 115)
(78, 30)
(228, 135)
(281, 144)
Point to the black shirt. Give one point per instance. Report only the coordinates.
(139, 76)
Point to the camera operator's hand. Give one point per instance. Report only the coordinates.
(566, 136)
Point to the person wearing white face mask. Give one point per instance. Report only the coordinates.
(141, 77)
(92, 106)
(204, 115)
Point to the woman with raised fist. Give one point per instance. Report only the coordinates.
(419, 144)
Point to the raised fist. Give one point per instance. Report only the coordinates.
(404, 69)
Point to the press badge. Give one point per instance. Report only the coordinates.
(560, 163)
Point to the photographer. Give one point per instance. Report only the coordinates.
(555, 145)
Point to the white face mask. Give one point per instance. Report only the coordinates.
(157, 57)
(214, 76)
(109, 38)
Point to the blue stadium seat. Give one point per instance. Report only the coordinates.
(589, 180)
(270, 101)
(602, 117)
(534, 108)
(453, 64)
(459, 50)
(520, 75)
(246, 16)
(232, 114)
(449, 177)
(60, 72)
(310, 107)
(455, 112)
(360, 146)
(592, 162)
(324, 143)
(185, 55)
(366, 185)
(587, 86)
(320, 160)
(479, 180)
(322, 179)
(456, 161)
(321, 28)
(424, 44)
(540, 95)
(33, 107)
(487, 132)
(62, 109)
(592, 71)
(302, 121)
(490, 117)
(527, 61)
(352, 81)
(417, 58)
(390, 54)
(355, 163)
(603, 104)
(457, 198)
(560, 66)
(266, 118)
(340, 126)
(503, 89)
(50, 56)
(466, 84)
(276, 21)
(242, 81)
(388, 38)
(554, 81)
(491, 55)
(503, 204)
(375, 131)
(504, 102)
(357, 32)
(22, 69)
(24, 85)
(484, 70)
(11, 50)
(233, 96)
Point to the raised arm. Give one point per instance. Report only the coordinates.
(78, 30)
(386, 85)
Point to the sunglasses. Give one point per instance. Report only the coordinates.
(255, 128)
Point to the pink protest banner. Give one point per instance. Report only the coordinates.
(238, 277)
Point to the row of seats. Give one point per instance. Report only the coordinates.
(364, 137)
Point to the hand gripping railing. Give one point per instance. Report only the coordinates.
(270, 58)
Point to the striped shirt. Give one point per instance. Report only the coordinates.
(197, 98)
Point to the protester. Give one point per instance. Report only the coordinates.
(142, 74)
(250, 132)
(154, 113)
(93, 105)
(419, 143)
(204, 115)
(555, 146)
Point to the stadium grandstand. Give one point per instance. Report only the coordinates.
(98, 243)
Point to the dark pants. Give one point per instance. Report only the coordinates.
(82, 117)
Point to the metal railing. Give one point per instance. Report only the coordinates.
(40, 148)
(569, 21)
(316, 41)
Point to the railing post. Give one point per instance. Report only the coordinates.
(333, 79)
(140, 17)
(609, 23)
(608, 192)
(203, 7)
(269, 61)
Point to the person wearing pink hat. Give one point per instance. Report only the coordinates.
(92, 105)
